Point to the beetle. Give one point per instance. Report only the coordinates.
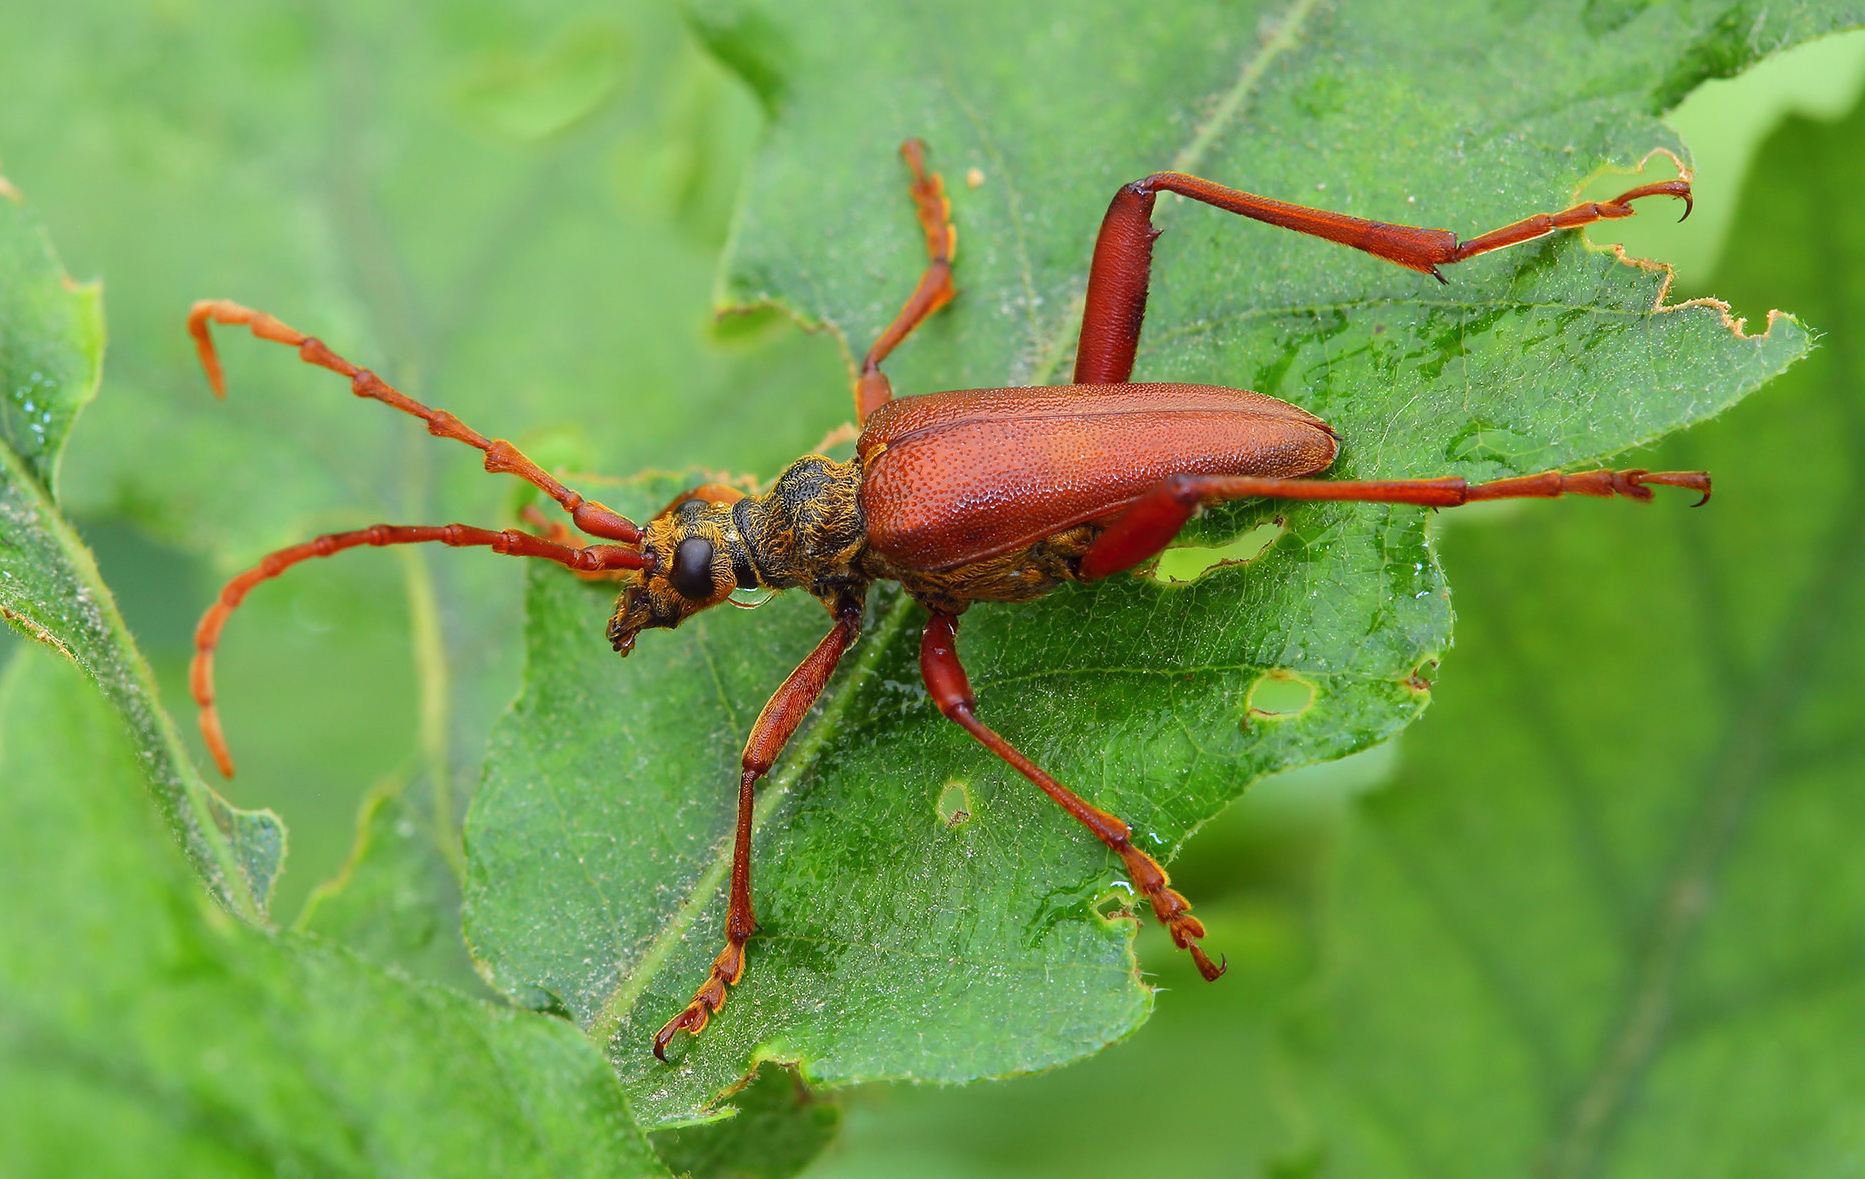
(979, 495)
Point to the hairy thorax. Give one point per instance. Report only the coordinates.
(809, 532)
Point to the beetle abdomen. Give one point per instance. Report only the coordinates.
(951, 478)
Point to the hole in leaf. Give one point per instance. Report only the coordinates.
(1480, 440)
(1116, 904)
(747, 324)
(1184, 564)
(954, 804)
(1280, 694)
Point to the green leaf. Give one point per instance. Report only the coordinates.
(894, 945)
(1207, 1070)
(51, 344)
(143, 1032)
(1608, 919)
(780, 1126)
(515, 211)
(51, 350)
(394, 897)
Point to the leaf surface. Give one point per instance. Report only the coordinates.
(51, 350)
(146, 1033)
(1611, 910)
(894, 944)
(779, 1128)
(515, 211)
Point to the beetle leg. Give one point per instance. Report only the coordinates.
(589, 559)
(935, 290)
(1156, 517)
(782, 714)
(951, 691)
(1123, 252)
(501, 455)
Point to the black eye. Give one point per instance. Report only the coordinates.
(692, 568)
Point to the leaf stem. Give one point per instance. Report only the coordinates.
(434, 701)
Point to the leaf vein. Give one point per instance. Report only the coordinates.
(634, 983)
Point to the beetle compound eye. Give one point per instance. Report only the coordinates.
(691, 573)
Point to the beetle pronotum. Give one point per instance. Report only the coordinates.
(997, 495)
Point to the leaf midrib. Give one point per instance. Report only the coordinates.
(1288, 30)
(777, 787)
(634, 983)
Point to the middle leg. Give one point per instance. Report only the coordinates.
(951, 691)
(1155, 518)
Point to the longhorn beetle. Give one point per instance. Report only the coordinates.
(979, 495)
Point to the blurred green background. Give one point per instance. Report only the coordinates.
(514, 204)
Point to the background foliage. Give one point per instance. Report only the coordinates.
(1598, 914)
(470, 194)
(895, 945)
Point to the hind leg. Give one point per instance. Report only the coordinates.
(1123, 252)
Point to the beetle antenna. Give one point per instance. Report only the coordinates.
(593, 518)
(593, 558)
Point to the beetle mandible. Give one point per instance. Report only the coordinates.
(979, 495)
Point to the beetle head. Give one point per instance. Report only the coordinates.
(695, 560)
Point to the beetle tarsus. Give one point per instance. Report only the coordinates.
(727, 968)
(1170, 907)
(1688, 480)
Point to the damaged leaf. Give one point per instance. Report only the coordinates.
(1611, 909)
(893, 943)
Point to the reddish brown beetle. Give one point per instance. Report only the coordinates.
(997, 495)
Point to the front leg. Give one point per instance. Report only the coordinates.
(935, 289)
(951, 691)
(782, 714)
